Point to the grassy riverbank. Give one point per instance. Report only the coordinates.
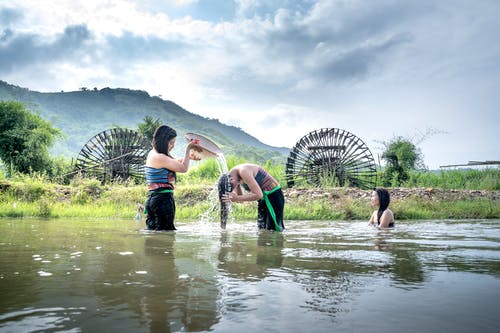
(38, 197)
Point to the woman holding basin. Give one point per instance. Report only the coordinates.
(161, 170)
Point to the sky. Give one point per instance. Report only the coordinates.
(428, 71)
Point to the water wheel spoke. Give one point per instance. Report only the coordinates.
(116, 153)
(331, 153)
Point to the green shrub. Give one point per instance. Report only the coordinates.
(44, 207)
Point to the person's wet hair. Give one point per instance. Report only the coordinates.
(223, 185)
(162, 136)
(384, 199)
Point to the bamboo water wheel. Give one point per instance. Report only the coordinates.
(333, 156)
(114, 154)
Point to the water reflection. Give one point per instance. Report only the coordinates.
(114, 276)
(250, 260)
(404, 265)
(165, 291)
(163, 281)
(269, 249)
(320, 279)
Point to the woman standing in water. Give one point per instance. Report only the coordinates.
(261, 186)
(383, 217)
(161, 169)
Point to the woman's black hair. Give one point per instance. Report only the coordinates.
(384, 199)
(223, 185)
(162, 136)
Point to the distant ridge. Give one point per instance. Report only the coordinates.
(84, 113)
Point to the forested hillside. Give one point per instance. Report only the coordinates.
(82, 114)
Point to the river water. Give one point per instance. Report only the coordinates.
(316, 276)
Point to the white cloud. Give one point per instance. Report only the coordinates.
(182, 3)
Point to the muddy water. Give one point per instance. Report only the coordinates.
(321, 276)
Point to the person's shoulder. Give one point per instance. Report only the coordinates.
(247, 165)
(157, 160)
(389, 213)
(253, 168)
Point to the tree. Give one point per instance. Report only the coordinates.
(148, 127)
(401, 155)
(24, 138)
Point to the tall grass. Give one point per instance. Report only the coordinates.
(468, 179)
(39, 195)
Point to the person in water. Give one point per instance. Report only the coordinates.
(161, 169)
(260, 186)
(383, 217)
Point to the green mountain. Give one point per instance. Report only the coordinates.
(83, 114)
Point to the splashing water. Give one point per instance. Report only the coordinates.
(221, 163)
(217, 209)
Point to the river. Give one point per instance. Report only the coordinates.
(83, 275)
